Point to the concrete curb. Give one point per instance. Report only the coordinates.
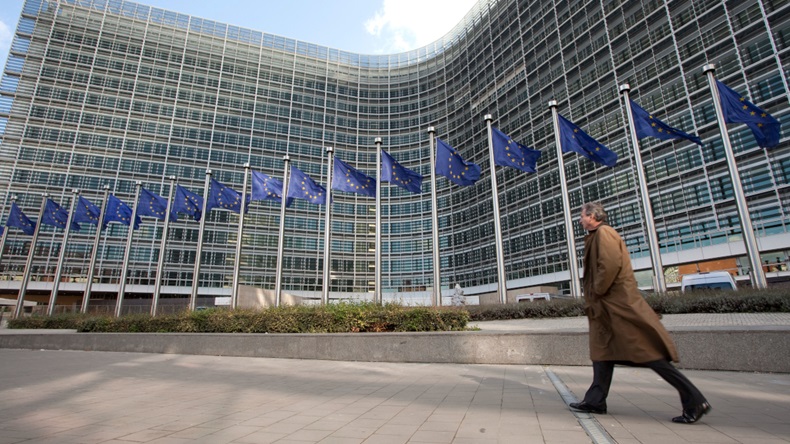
(762, 349)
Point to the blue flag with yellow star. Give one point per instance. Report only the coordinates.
(393, 172)
(508, 152)
(57, 216)
(265, 187)
(16, 218)
(346, 178)
(185, 201)
(451, 165)
(151, 204)
(86, 211)
(222, 196)
(117, 211)
(302, 186)
(737, 109)
(573, 139)
(648, 126)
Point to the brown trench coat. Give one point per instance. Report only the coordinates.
(623, 327)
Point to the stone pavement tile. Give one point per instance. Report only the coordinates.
(479, 440)
(349, 431)
(340, 440)
(433, 436)
(377, 438)
(440, 426)
(194, 432)
(746, 406)
(326, 424)
(308, 435)
(227, 435)
(145, 435)
(261, 437)
(396, 429)
(382, 412)
(255, 400)
(168, 440)
(566, 437)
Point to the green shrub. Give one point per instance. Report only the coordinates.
(332, 318)
(363, 317)
(555, 308)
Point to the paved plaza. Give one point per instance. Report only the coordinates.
(69, 397)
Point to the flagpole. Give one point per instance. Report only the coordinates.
(20, 302)
(59, 271)
(5, 234)
(162, 246)
(127, 253)
(281, 240)
(378, 295)
(647, 208)
(757, 275)
(573, 264)
(234, 300)
(327, 237)
(500, 252)
(199, 250)
(95, 252)
(437, 279)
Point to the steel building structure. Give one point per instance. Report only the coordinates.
(109, 92)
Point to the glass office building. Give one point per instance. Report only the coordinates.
(110, 92)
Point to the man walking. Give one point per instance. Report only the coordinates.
(624, 329)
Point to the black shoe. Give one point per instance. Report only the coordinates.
(587, 408)
(692, 415)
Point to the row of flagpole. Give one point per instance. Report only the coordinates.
(444, 160)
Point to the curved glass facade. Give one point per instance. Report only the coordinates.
(111, 92)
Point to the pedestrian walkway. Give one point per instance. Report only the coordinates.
(70, 397)
(670, 321)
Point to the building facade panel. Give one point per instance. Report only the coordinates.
(109, 92)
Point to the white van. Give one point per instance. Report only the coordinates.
(712, 280)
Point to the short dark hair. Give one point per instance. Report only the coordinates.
(595, 209)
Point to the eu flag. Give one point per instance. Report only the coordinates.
(222, 196)
(16, 218)
(393, 172)
(86, 211)
(508, 152)
(346, 178)
(451, 165)
(186, 202)
(648, 126)
(57, 216)
(151, 204)
(265, 187)
(573, 139)
(118, 211)
(737, 109)
(302, 186)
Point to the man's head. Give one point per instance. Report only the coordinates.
(592, 215)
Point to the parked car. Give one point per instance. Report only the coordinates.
(712, 280)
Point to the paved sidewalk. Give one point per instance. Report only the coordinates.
(670, 321)
(69, 397)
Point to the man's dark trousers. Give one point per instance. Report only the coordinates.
(596, 395)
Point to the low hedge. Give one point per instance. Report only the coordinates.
(330, 318)
(370, 317)
(741, 301)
